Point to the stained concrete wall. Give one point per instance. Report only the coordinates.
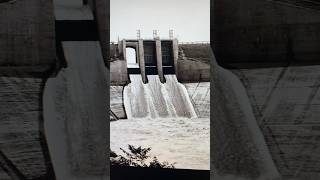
(101, 10)
(248, 33)
(118, 66)
(194, 63)
(27, 50)
(21, 131)
(27, 34)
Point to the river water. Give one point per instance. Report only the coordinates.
(183, 141)
(161, 116)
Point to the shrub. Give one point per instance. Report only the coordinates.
(137, 157)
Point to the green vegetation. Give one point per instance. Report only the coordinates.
(137, 157)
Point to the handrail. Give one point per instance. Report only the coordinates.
(114, 115)
(10, 168)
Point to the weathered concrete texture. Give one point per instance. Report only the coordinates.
(308, 4)
(27, 34)
(4, 175)
(21, 136)
(118, 66)
(194, 63)
(159, 60)
(200, 97)
(238, 146)
(116, 101)
(118, 72)
(101, 9)
(75, 114)
(142, 64)
(249, 33)
(286, 103)
(72, 10)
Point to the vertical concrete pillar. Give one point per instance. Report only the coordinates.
(141, 61)
(102, 19)
(175, 50)
(123, 49)
(159, 60)
(100, 9)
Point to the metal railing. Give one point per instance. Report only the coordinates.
(195, 42)
(182, 42)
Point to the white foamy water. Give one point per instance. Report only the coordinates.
(161, 116)
(183, 141)
(156, 99)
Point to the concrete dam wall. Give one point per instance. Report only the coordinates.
(193, 64)
(27, 35)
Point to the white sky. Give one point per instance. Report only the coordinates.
(190, 19)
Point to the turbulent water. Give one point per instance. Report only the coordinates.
(156, 99)
(161, 116)
(183, 141)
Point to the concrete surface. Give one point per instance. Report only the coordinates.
(199, 94)
(247, 33)
(238, 145)
(116, 101)
(21, 131)
(75, 114)
(4, 175)
(286, 105)
(27, 34)
(193, 63)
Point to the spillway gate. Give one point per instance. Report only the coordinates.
(153, 57)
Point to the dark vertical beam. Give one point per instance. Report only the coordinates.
(175, 50)
(142, 62)
(101, 10)
(159, 60)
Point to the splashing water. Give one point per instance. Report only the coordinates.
(156, 99)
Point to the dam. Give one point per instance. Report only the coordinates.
(159, 110)
(153, 89)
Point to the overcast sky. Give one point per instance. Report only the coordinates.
(190, 19)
